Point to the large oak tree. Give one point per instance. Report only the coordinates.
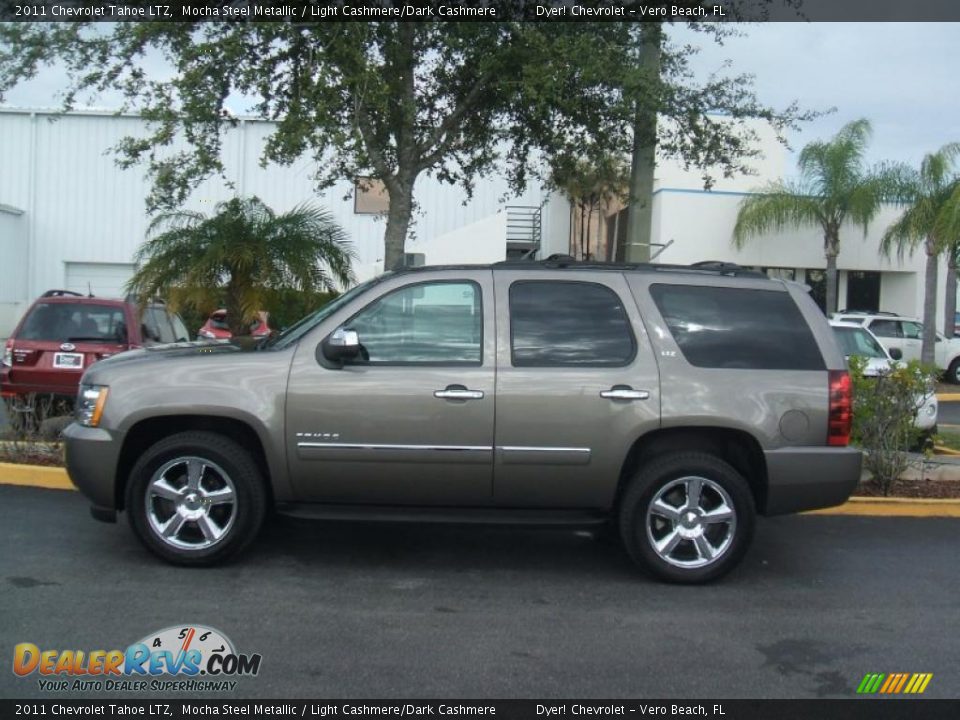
(397, 100)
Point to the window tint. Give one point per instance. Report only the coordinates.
(568, 323)
(737, 328)
(886, 328)
(61, 322)
(434, 323)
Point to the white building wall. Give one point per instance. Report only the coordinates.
(80, 207)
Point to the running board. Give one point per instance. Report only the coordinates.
(476, 516)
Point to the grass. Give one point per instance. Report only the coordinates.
(949, 436)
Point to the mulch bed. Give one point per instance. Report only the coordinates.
(926, 489)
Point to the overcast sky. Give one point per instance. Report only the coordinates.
(901, 76)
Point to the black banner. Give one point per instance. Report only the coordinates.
(854, 709)
(479, 10)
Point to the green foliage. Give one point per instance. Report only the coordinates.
(884, 413)
(243, 258)
(835, 186)
(393, 100)
(931, 220)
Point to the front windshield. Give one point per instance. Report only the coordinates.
(308, 322)
(857, 341)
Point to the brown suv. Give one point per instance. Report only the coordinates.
(63, 333)
(667, 404)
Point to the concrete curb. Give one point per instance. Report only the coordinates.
(53, 478)
(948, 397)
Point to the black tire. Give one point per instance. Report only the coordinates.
(672, 478)
(953, 372)
(227, 465)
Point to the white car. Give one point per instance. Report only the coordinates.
(905, 335)
(855, 339)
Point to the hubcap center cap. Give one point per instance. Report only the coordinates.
(690, 519)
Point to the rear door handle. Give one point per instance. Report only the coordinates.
(624, 392)
(458, 392)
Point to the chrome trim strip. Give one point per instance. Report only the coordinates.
(520, 448)
(372, 446)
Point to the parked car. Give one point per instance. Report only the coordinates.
(217, 328)
(856, 340)
(64, 333)
(670, 404)
(904, 334)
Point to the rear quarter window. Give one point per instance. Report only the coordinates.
(737, 328)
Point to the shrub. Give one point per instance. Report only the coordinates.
(885, 408)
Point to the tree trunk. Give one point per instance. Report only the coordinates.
(832, 250)
(640, 215)
(950, 303)
(927, 354)
(235, 321)
(398, 224)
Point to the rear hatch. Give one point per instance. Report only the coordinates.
(58, 340)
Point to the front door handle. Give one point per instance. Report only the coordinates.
(624, 392)
(458, 392)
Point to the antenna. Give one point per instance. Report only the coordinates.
(89, 289)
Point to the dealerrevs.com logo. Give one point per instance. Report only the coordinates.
(200, 657)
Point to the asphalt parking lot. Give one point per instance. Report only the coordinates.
(357, 610)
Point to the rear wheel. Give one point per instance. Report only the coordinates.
(196, 498)
(953, 372)
(687, 517)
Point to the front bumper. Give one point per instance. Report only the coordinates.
(91, 457)
(808, 478)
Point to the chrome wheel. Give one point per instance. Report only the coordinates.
(691, 522)
(190, 503)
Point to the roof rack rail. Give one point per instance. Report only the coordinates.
(867, 312)
(60, 293)
(560, 260)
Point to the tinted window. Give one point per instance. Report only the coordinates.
(886, 328)
(737, 328)
(434, 323)
(568, 323)
(60, 322)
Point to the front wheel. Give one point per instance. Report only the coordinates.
(687, 517)
(196, 498)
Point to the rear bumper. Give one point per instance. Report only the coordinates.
(800, 478)
(91, 459)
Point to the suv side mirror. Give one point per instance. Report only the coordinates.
(896, 353)
(342, 344)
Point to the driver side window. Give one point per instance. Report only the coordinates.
(434, 323)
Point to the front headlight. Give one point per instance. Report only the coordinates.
(90, 402)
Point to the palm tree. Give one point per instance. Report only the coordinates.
(240, 253)
(834, 186)
(932, 219)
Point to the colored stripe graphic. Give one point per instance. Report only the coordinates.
(894, 683)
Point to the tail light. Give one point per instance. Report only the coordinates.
(840, 417)
(8, 353)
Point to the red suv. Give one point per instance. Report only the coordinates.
(63, 333)
(217, 328)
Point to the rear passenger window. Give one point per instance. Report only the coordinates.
(737, 328)
(568, 323)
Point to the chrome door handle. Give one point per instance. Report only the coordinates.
(624, 393)
(458, 394)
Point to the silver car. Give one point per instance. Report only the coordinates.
(665, 405)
